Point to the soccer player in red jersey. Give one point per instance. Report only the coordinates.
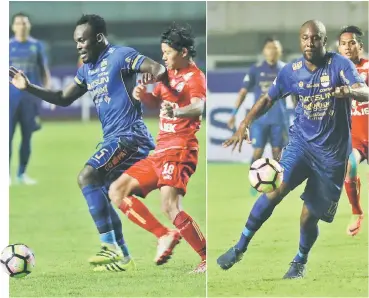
(350, 46)
(175, 157)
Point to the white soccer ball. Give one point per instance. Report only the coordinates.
(17, 260)
(265, 175)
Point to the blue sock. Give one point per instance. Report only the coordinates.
(117, 226)
(108, 237)
(98, 205)
(308, 236)
(246, 236)
(24, 152)
(21, 170)
(260, 212)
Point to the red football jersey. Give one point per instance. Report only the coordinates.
(180, 132)
(360, 110)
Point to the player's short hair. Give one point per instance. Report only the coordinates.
(270, 39)
(96, 22)
(359, 34)
(19, 14)
(179, 37)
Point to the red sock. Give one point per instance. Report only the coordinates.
(190, 231)
(353, 192)
(138, 213)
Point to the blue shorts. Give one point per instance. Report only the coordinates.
(25, 112)
(115, 157)
(324, 180)
(262, 133)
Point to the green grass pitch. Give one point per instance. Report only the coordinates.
(338, 264)
(53, 219)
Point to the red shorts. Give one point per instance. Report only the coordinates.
(361, 145)
(169, 168)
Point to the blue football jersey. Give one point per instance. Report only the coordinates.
(30, 57)
(259, 79)
(110, 81)
(322, 121)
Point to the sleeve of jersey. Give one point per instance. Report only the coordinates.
(249, 79)
(42, 57)
(156, 91)
(197, 87)
(279, 88)
(132, 60)
(348, 73)
(79, 79)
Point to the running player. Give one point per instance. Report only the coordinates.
(351, 46)
(109, 74)
(176, 154)
(319, 141)
(28, 54)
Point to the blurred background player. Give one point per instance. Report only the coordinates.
(176, 154)
(273, 125)
(351, 46)
(109, 74)
(27, 54)
(319, 141)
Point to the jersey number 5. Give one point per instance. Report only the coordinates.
(101, 153)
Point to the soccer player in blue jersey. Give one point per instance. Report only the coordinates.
(319, 141)
(109, 74)
(271, 126)
(28, 54)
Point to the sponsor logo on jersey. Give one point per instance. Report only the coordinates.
(104, 63)
(297, 65)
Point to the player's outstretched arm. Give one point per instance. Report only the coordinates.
(157, 70)
(148, 99)
(240, 99)
(193, 110)
(259, 108)
(61, 98)
(358, 91)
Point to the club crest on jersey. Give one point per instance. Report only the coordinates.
(301, 84)
(324, 81)
(180, 87)
(297, 65)
(104, 63)
(262, 74)
(33, 48)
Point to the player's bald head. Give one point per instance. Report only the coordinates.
(313, 39)
(315, 25)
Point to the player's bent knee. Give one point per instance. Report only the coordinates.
(171, 201)
(88, 176)
(121, 188)
(279, 193)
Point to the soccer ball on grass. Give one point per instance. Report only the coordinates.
(17, 260)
